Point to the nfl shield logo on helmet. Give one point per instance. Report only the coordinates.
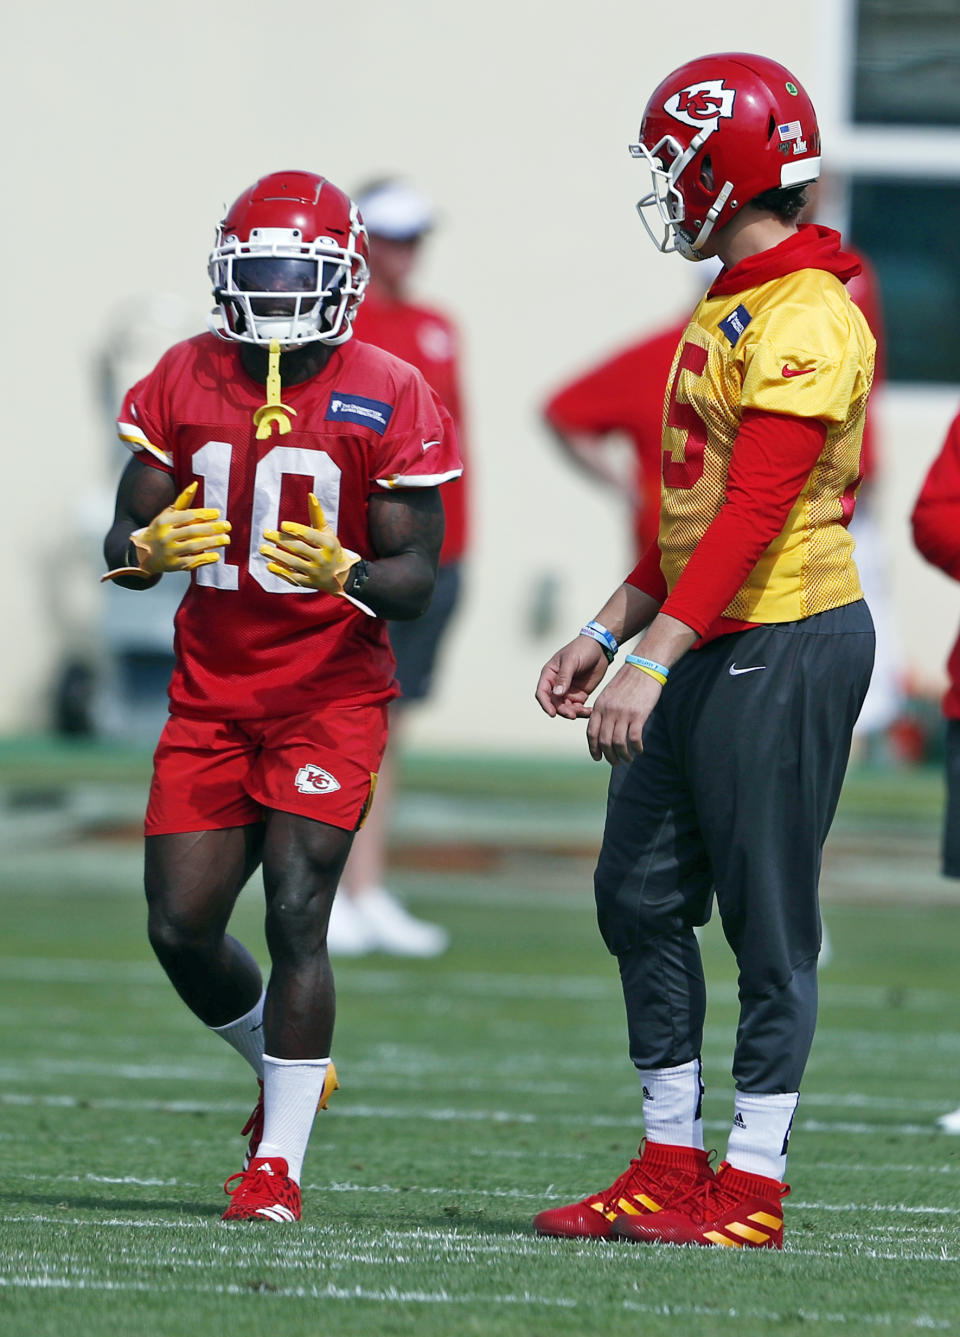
(315, 780)
(701, 105)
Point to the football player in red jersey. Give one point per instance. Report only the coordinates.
(282, 463)
(729, 727)
(936, 533)
(623, 394)
(366, 915)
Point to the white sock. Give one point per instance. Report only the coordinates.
(672, 1101)
(246, 1035)
(292, 1087)
(760, 1133)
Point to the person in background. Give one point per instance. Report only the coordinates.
(366, 915)
(936, 534)
(622, 395)
(882, 707)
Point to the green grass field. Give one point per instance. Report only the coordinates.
(475, 1088)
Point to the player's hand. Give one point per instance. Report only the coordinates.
(310, 556)
(615, 731)
(569, 677)
(178, 539)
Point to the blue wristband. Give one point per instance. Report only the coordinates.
(648, 664)
(597, 632)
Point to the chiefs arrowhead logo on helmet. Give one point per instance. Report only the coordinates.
(701, 104)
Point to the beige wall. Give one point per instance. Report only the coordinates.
(130, 127)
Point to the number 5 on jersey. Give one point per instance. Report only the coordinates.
(687, 472)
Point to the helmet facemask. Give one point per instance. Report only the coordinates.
(278, 286)
(667, 161)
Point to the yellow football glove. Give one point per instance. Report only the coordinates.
(178, 539)
(312, 556)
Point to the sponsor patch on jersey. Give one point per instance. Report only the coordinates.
(735, 324)
(364, 412)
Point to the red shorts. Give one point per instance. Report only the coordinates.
(210, 774)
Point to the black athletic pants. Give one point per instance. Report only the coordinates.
(733, 794)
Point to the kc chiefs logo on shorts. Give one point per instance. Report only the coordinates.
(315, 780)
(702, 105)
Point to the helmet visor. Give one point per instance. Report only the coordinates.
(281, 274)
(281, 285)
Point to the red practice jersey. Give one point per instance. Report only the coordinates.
(936, 532)
(428, 340)
(248, 644)
(864, 291)
(626, 394)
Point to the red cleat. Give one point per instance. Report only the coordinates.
(254, 1125)
(264, 1193)
(662, 1175)
(732, 1208)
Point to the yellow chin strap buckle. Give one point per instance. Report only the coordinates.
(274, 411)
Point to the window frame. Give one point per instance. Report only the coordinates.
(854, 150)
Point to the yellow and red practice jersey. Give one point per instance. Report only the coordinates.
(792, 345)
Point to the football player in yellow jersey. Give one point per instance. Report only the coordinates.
(729, 726)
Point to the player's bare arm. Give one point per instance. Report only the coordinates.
(587, 453)
(154, 530)
(569, 676)
(406, 531)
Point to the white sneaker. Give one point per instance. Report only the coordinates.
(950, 1123)
(393, 929)
(347, 932)
(826, 948)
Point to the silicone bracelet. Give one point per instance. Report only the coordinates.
(651, 668)
(597, 632)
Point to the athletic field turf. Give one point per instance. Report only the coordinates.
(475, 1089)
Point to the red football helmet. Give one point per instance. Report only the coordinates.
(289, 263)
(717, 132)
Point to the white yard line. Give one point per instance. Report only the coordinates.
(396, 1112)
(410, 1074)
(444, 1296)
(548, 1194)
(483, 985)
(330, 1292)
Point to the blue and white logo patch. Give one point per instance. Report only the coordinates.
(735, 324)
(364, 412)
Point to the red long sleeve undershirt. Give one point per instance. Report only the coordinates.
(771, 461)
(936, 514)
(936, 532)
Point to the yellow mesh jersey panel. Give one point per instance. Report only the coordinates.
(733, 357)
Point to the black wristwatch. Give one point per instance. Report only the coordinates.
(357, 577)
